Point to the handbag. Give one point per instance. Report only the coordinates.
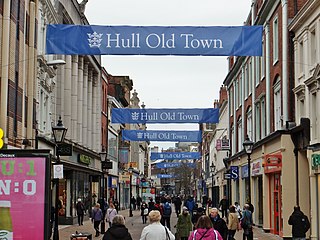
(167, 234)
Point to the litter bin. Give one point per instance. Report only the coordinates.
(81, 236)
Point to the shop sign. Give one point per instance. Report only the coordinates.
(244, 171)
(273, 163)
(84, 159)
(113, 182)
(315, 161)
(218, 144)
(58, 171)
(234, 170)
(256, 168)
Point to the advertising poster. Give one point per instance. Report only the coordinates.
(148, 193)
(23, 197)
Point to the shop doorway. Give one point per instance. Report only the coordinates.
(277, 206)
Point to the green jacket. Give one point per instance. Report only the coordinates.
(184, 225)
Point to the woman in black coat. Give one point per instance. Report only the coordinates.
(118, 230)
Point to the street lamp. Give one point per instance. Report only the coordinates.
(213, 169)
(248, 146)
(59, 133)
(103, 156)
(130, 194)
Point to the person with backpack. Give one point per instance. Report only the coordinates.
(300, 224)
(204, 230)
(167, 210)
(144, 212)
(246, 223)
(190, 204)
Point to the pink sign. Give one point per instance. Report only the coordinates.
(22, 189)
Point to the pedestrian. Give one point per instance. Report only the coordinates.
(167, 210)
(155, 230)
(218, 223)
(118, 230)
(139, 201)
(116, 204)
(233, 223)
(238, 210)
(97, 216)
(177, 205)
(190, 204)
(151, 205)
(184, 224)
(200, 211)
(300, 224)
(80, 211)
(144, 212)
(111, 213)
(209, 203)
(251, 207)
(204, 231)
(223, 205)
(247, 223)
(133, 202)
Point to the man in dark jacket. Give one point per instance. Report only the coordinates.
(177, 205)
(300, 224)
(218, 223)
(224, 205)
(117, 231)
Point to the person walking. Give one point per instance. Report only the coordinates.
(144, 212)
(111, 213)
(247, 223)
(184, 224)
(177, 205)
(139, 201)
(218, 223)
(238, 210)
(80, 211)
(118, 230)
(97, 216)
(167, 210)
(133, 202)
(155, 230)
(300, 224)
(233, 223)
(190, 204)
(223, 205)
(204, 231)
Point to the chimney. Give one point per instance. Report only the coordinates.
(223, 95)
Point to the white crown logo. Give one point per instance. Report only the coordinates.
(95, 39)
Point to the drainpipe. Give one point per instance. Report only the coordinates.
(5, 67)
(285, 60)
(291, 76)
(267, 75)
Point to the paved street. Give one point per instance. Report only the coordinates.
(135, 227)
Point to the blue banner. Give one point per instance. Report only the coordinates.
(175, 155)
(131, 115)
(174, 165)
(165, 176)
(162, 136)
(154, 40)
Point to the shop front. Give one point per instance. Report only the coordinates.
(272, 168)
(257, 191)
(113, 188)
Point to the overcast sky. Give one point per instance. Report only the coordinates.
(170, 81)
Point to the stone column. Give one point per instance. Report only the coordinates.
(67, 97)
(85, 105)
(74, 98)
(80, 99)
(94, 111)
(89, 115)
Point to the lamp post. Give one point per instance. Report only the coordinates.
(248, 146)
(130, 193)
(213, 169)
(103, 156)
(59, 133)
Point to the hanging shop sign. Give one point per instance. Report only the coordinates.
(234, 171)
(113, 182)
(175, 155)
(272, 163)
(244, 171)
(154, 40)
(24, 191)
(131, 115)
(315, 161)
(166, 136)
(256, 168)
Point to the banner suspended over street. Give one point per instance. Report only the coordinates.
(131, 115)
(165, 176)
(154, 40)
(174, 165)
(175, 155)
(161, 136)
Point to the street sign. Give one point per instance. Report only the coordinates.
(234, 171)
(64, 149)
(227, 176)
